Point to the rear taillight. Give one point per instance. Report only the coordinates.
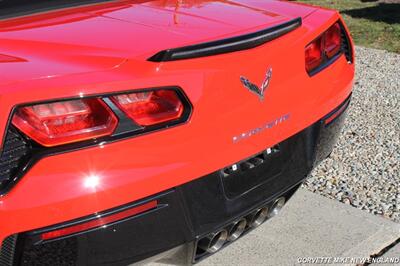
(333, 40)
(63, 122)
(325, 47)
(69, 121)
(150, 107)
(314, 56)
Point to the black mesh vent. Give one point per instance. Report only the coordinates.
(15, 148)
(60, 253)
(346, 46)
(7, 251)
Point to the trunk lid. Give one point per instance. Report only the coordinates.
(101, 36)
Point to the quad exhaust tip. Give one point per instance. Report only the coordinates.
(237, 229)
(276, 207)
(259, 217)
(214, 242)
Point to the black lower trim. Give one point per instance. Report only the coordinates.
(329, 133)
(190, 211)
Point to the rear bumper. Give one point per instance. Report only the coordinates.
(186, 213)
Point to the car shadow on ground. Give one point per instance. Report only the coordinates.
(383, 12)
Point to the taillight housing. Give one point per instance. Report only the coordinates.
(57, 123)
(152, 107)
(324, 48)
(112, 116)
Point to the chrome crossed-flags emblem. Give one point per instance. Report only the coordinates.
(259, 91)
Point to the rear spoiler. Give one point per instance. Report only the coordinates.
(227, 45)
(17, 8)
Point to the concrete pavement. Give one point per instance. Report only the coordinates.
(310, 226)
(393, 252)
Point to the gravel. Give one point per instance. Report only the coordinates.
(363, 169)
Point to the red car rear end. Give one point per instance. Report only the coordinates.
(134, 129)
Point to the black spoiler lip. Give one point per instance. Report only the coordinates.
(228, 45)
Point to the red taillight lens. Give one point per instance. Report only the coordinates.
(150, 107)
(325, 47)
(58, 123)
(314, 56)
(333, 40)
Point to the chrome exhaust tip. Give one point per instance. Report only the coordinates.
(276, 207)
(237, 229)
(259, 217)
(214, 242)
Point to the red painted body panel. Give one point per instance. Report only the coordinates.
(103, 48)
(122, 30)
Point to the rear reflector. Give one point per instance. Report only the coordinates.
(58, 123)
(99, 222)
(336, 114)
(150, 107)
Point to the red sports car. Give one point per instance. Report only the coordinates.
(159, 130)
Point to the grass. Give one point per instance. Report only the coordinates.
(372, 23)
